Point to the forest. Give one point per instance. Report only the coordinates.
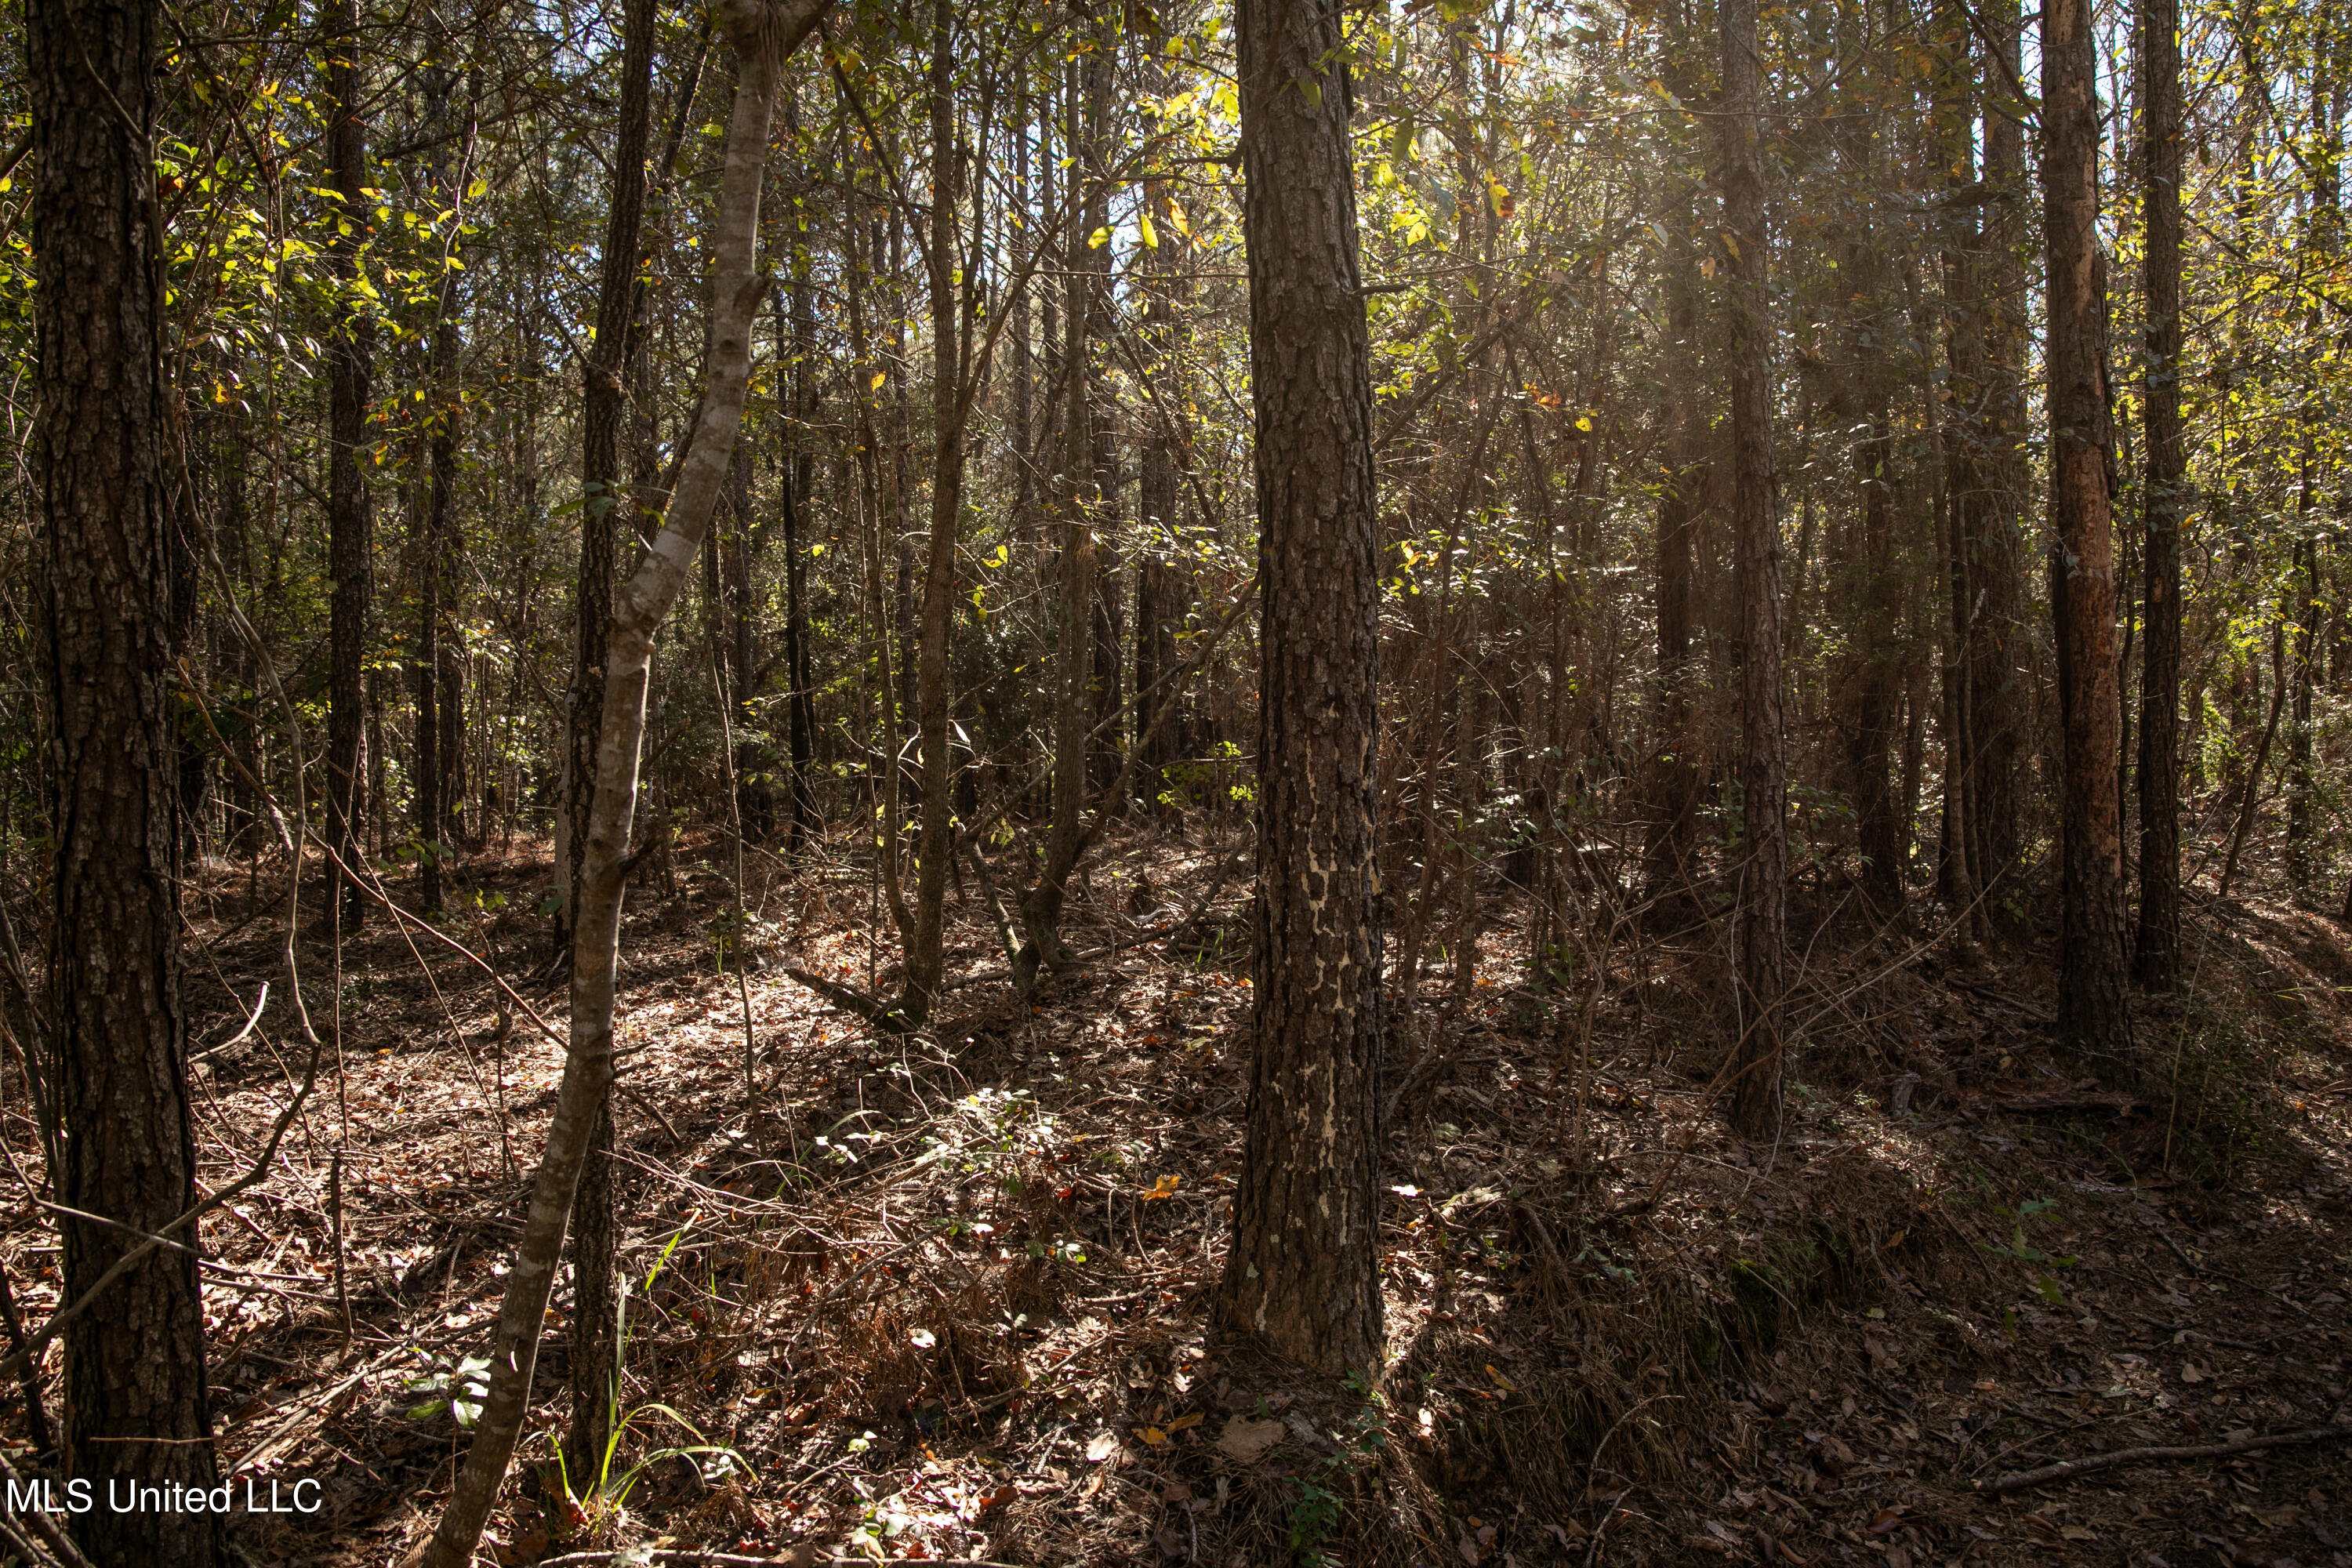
(1090, 781)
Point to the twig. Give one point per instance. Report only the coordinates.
(2068, 1468)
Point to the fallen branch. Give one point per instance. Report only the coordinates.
(680, 1558)
(2068, 1468)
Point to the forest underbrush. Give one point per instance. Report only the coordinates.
(949, 1296)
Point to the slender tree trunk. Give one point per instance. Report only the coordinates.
(350, 552)
(1672, 836)
(1161, 587)
(2092, 1016)
(1074, 566)
(1763, 929)
(592, 1366)
(1303, 1270)
(2300, 870)
(796, 471)
(764, 36)
(134, 1363)
(2164, 503)
(925, 958)
(1998, 645)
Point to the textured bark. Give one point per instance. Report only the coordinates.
(1676, 780)
(2156, 954)
(1163, 587)
(435, 758)
(2091, 991)
(1070, 512)
(1998, 645)
(2299, 825)
(925, 956)
(1763, 873)
(798, 468)
(135, 1403)
(591, 1362)
(764, 36)
(1958, 877)
(350, 353)
(1303, 1270)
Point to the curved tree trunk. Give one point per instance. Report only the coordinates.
(764, 36)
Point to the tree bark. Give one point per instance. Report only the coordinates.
(349, 353)
(591, 1365)
(1071, 513)
(1303, 1270)
(764, 36)
(1762, 931)
(2156, 955)
(134, 1363)
(1673, 838)
(797, 471)
(925, 957)
(1998, 645)
(2091, 1017)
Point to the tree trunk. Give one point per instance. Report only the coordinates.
(797, 469)
(1673, 838)
(137, 1406)
(1071, 507)
(591, 1363)
(1998, 645)
(764, 36)
(1303, 1270)
(349, 564)
(2157, 952)
(1762, 929)
(925, 957)
(2092, 1018)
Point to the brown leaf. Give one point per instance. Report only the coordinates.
(1246, 1441)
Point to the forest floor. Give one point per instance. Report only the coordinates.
(949, 1298)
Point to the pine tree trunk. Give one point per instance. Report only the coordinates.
(1303, 1270)
(1763, 871)
(2092, 1018)
(1998, 645)
(2164, 502)
(137, 1405)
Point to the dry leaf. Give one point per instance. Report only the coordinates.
(2191, 1372)
(1101, 1447)
(1151, 1436)
(1245, 1441)
(1186, 1423)
(1505, 1384)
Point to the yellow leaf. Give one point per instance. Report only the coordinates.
(1584, 422)
(1186, 1423)
(875, 384)
(1150, 235)
(1505, 1384)
(1152, 1437)
(1165, 1188)
(1099, 239)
